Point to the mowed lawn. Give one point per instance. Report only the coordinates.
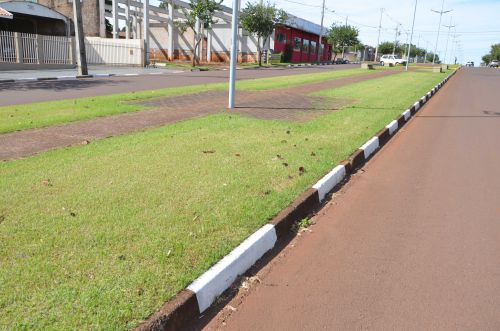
(37, 115)
(100, 236)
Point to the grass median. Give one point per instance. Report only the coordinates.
(100, 236)
(43, 114)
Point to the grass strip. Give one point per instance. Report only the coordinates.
(43, 114)
(100, 236)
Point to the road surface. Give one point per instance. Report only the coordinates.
(410, 243)
(28, 92)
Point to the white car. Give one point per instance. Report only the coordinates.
(391, 59)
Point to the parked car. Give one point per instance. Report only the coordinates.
(339, 61)
(391, 59)
(493, 64)
(469, 64)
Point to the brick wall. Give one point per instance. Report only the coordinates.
(90, 13)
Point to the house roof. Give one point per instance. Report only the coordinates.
(5, 14)
(305, 25)
(31, 8)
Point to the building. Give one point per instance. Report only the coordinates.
(29, 17)
(297, 39)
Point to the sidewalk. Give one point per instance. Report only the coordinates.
(93, 70)
(410, 243)
(289, 104)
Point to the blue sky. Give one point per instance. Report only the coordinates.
(477, 21)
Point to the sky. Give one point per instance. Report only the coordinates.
(477, 22)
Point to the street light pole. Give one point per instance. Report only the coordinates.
(395, 39)
(379, 28)
(234, 53)
(321, 32)
(81, 56)
(441, 12)
(411, 36)
(448, 38)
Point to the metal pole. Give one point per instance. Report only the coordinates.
(234, 53)
(447, 39)
(439, 29)
(411, 36)
(321, 32)
(395, 40)
(145, 23)
(378, 38)
(81, 56)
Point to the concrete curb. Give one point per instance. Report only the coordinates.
(199, 296)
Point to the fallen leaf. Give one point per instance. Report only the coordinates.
(237, 154)
(313, 154)
(46, 182)
(208, 152)
(285, 164)
(85, 142)
(72, 214)
(302, 170)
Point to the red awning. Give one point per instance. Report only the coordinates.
(5, 14)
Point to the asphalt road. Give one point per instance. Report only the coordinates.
(410, 243)
(37, 91)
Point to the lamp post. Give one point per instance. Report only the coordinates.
(378, 38)
(411, 36)
(321, 32)
(234, 53)
(441, 12)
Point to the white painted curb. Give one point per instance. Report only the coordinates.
(66, 77)
(218, 278)
(370, 147)
(417, 106)
(406, 114)
(327, 183)
(393, 126)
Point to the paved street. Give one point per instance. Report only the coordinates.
(33, 91)
(411, 242)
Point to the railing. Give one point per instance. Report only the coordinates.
(29, 48)
(7, 47)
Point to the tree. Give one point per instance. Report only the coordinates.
(200, 14)
(261, 20)
(342, 36)
(387, 47)
(495, 52)
(430, 56)
(487, 58)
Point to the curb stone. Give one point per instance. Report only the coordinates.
(188, 304)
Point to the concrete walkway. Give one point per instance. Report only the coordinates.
(410, 243)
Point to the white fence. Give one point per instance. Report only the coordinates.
(114, 51)
(27, 48)
(17, 47)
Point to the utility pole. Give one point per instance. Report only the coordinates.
(378, 38)
(234, 53)
(81, 56)
(320, 32)
(441, 12)
(411, 36)
(395, 39)
(447, 39)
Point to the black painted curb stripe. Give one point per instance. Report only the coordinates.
(182, 309)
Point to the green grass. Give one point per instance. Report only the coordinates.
(37, 115)
(100, 236)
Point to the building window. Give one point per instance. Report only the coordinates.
(322, 49)
(281, 38)
(297, 44)
(313, 47)
(305, 46)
